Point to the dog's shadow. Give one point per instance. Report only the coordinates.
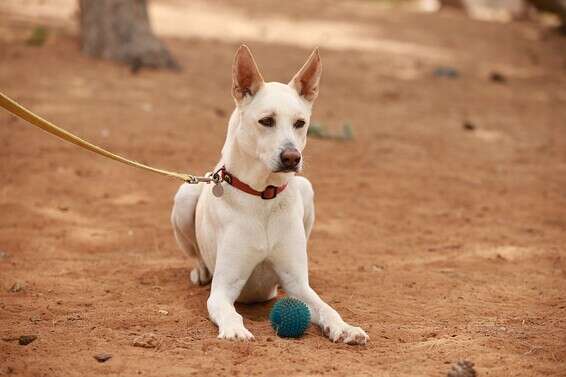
(257, 312)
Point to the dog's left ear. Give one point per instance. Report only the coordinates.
(306, 81)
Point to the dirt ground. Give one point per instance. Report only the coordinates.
(444, 242)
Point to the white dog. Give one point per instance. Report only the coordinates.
(250, 234)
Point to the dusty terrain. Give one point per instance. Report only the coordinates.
(443, 242)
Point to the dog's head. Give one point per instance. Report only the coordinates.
(274, 117)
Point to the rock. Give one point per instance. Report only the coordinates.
(448, 72)
(102, 357)
(24, 340)
(163, 312)
(377, 268)
(468, 126)
(497, 77)
(35, 318)
(16, 287)
(462, 368)
(74, 317)
(148, 340)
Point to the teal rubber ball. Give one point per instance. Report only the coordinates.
(290, 317)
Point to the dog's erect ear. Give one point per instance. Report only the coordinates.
(246, 79)
(306, 81)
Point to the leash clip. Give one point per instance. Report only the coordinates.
(217, 178)
(191, 179)
(210, 177)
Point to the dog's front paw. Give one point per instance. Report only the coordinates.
(343, 332)
(235, 332)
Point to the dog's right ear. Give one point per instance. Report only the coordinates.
(246, 79)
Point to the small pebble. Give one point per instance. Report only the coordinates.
(74, 317)
(24, 340)
(497, 77)
(102, 357)
(148, 340)
(468, 126)
(16, 287)
(35, 318)
(462, 368)
(377, 268)
(448, 72)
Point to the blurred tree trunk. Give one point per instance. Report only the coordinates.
(120, 30)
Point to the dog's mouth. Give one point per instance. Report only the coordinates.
(287, 170)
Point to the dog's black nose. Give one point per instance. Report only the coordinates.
(290, 158)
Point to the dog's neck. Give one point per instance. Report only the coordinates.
(246, 167)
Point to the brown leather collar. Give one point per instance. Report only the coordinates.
(270, 191)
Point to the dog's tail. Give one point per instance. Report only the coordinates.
(183, 218)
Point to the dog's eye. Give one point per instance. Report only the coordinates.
(267, 122)
(299, 124)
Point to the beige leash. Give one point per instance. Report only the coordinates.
(17, 109)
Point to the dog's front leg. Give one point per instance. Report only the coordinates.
(233, 268)
(291, 268)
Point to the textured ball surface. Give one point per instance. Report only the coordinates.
(290, 317)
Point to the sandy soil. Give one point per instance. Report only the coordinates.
(443, 243)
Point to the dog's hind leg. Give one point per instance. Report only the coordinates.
(307, 195)
(183, 221)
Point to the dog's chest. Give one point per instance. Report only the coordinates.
(278, 228)
(244, 224)
(265, 224)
